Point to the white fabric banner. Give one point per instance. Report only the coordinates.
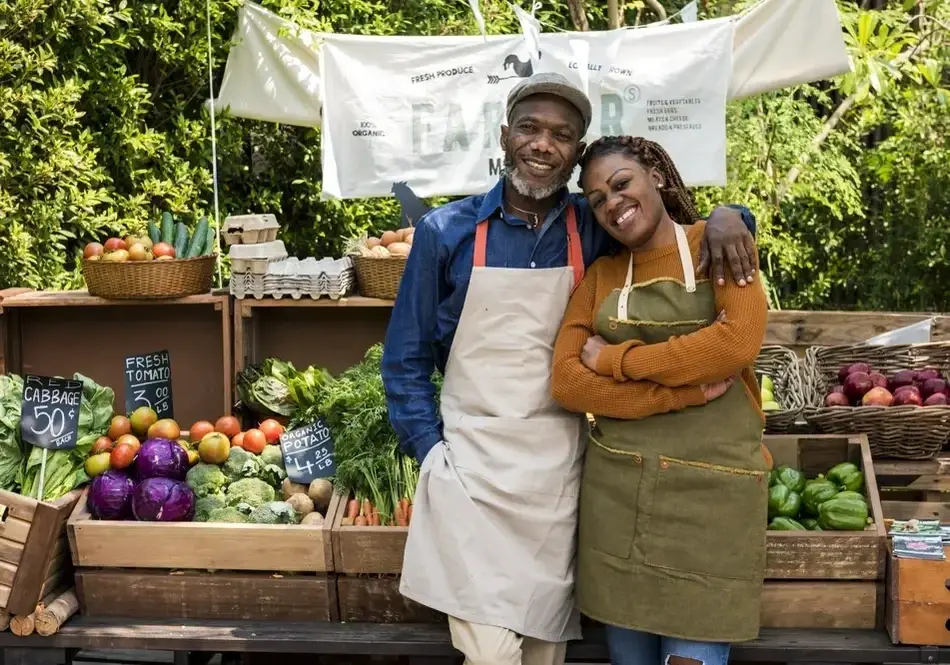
(427, 110)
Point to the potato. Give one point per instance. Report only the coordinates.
(301, 503)
(320, 492)
(288, 488)
(313, 518)
(399, 249)
(372, 242)
(388, 238)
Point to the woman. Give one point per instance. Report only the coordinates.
(671, 546)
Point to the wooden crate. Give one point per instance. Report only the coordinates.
(197, 570)
(914, 488)
(195, 330)
(34, 555)
(918, 601)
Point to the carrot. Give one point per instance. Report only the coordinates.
(360, 521)
(399, 514)
(367, 508)
(404, 504)
(374, 518)
(353, 509)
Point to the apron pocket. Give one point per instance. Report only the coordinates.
(608, 511)
(708, 520)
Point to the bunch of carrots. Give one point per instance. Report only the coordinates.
(362, 512)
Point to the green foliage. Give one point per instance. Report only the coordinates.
(103, 126)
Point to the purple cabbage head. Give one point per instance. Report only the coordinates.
(110, 496)
(161, 458)
(163, 500)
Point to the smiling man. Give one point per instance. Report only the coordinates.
(491, 541)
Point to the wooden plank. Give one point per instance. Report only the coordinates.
(938, 466)
(352, 301)
(227, 361)
(202, 595)
(920, 581)
(819, 604)
(908, 510)
(367, 549)
(10, 551)
(377, 599)
(47, 526)
(919, 623)
(83, 299)
(800, 329)
(18, 506)
(16, 530)
(7, 573)
(4, 595)
(197, 545)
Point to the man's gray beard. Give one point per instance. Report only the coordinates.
(523, 188)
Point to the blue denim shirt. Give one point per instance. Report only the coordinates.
(433, 288)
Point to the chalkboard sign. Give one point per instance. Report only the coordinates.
(308, 452)
(148, 382)
(50, 412)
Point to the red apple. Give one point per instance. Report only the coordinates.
(904, 377)
(933, 386)
(92, 249)
(836, 399)
(926, 374)
(838, 388)
(856, 385)
(878, 379)
(907, 389)
(877, 397)
(112, 244)
(851, 369)
(907, 398)
(937, 399)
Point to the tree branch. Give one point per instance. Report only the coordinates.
(657, 8)
(578, 15)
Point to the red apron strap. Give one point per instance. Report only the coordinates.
(575, 253)
(481, 243)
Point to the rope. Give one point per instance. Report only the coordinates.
(214, 148)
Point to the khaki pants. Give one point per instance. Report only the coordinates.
(491, 645)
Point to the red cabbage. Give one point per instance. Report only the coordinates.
(161, 458)
(110, 496)
(163, 500)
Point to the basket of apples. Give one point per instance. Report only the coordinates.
(172, 261)
(897, 395)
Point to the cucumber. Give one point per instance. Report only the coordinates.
(181, 239)
(198, 240)
(153, 233)
(168, 228)
(209, 243)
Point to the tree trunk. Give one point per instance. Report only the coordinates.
(657, 8)
(613, 14)
(578, 15)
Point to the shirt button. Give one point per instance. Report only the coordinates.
(533, 264)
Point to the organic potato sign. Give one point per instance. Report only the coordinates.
(308, 452)
(148, 382)
(50, 412)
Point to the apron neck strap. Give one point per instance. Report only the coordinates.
(686, 261)
(575, 253)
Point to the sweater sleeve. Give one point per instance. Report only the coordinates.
(577, 388)
(714, 353)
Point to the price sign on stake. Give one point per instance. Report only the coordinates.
(50, 413)
(308, 452)
(148, 382)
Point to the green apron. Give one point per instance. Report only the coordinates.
(673, 507)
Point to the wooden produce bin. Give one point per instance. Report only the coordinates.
(60, 333)
(918, 601)
(332, 334)
(825, 579)
(199, 570)
(34, 556)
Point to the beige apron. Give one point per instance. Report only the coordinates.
(492, 537)
(673, 507)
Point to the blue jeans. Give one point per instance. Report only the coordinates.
(631, 647)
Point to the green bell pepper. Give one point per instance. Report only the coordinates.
(783, 502)
(785, 524)
(773, 477)
(848, 494)
(843, 515)
(793, 479)
(816, 493)
(847, 476)
(811, 524)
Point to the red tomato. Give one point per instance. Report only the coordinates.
(271, 429)
(102, 445)
(122, 456)
(254, 441)
(238, 440)
(228, 425)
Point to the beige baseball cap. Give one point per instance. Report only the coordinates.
(550, 83)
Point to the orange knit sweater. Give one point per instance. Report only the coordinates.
(634, 380)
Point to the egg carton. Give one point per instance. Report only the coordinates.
(250, 229)
(297, 279)
(256, 257)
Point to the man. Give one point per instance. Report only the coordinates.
(491, 542)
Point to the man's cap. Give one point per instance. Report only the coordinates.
(550, 83)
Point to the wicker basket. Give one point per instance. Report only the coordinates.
(143, 280)
(906, 432)
(379, 277)
(784, 368)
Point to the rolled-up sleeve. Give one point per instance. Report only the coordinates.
(409, 352)
(747, 217)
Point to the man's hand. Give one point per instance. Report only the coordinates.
(591, 351)
(716, 390)
(726, 236)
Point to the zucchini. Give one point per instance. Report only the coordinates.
(168, 228)
(181, 239)
(198, 240)
(153, 233)
(209, 243)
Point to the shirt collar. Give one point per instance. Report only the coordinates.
(492, 203)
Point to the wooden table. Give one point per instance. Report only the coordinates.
(421, 643)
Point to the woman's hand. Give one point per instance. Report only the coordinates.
(591, 351)
(718, 389)
(727, 236)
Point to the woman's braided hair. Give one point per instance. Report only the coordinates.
(649, 154)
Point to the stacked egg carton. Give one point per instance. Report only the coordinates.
(292, 277)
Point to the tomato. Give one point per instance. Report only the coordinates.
(122, 456)
(97, 464)
(254, 441)
(199, 429)
(129, 440)
(228, 425)
(102, 445)
(271, 429)
(238, 440)
(120, 425)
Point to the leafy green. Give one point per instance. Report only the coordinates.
(11, 450)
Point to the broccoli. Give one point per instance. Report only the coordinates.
(241, 464)
(206, 504)
(227, 515)
(273, 475)
(206, 479)
(252, 491)
(272, 455)
(275, 512)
